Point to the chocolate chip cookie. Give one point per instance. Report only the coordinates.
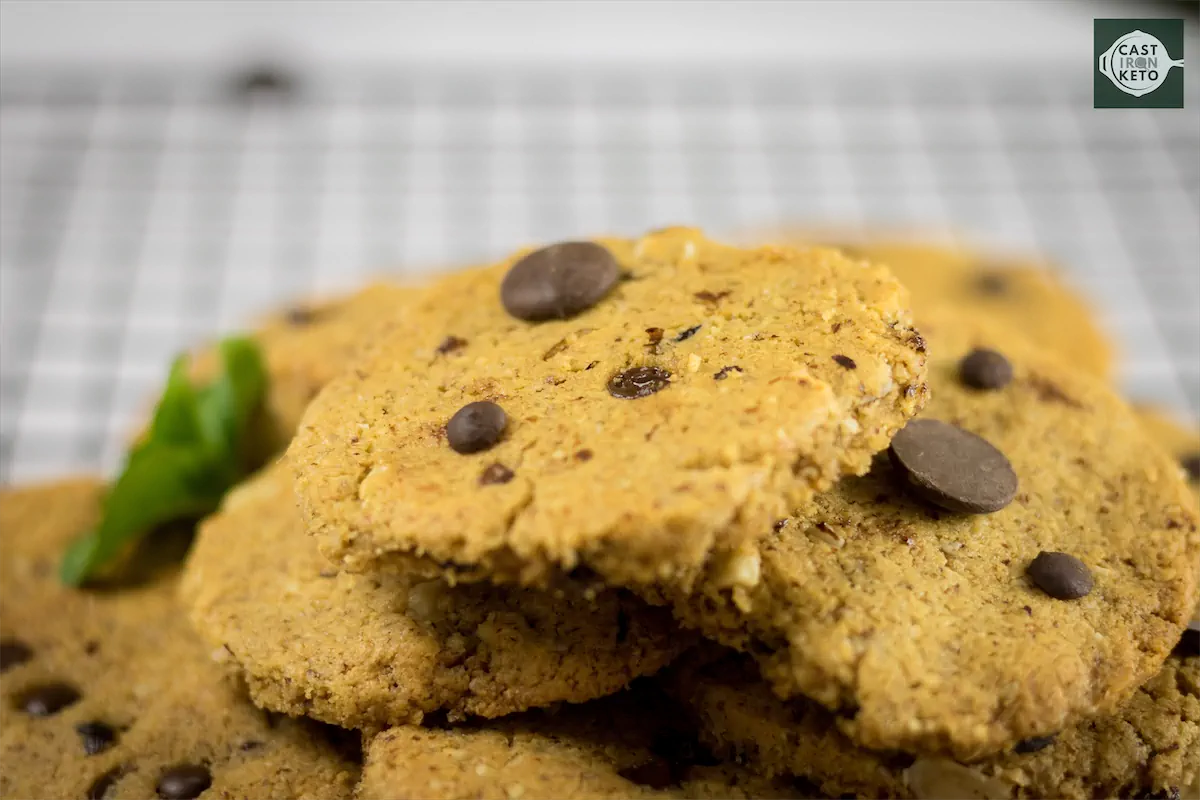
(108, 694)
(1178, 439)
(629, 745)
(1149, 745)
(1030, 297)
(363, 651)
(304, 347)
(1022, 557)
(646, 404)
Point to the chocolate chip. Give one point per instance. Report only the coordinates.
(1191, 465)
(1034, 743)
(711, 298)
(12, 653)
(301, 316)
(102, 784)
(183, 782)
(656, 773)
(476, 426)
(653, 337)
(558, 281)
(450, 344)
(687, 333)
(638, 382)
(47, 699)
(1188, 645)
(992, 283)
(952, 468)
(779, 525)
(1059, 575)
(723, 372)
(985, 369)
(622, 626)
(496, 473)
(845, 361)
(97, 737)
(583, 455)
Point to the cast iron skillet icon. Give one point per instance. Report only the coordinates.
(1137, 63)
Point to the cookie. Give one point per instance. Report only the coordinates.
(706, 391)
(106, 692)
(624, 746)
(1025, 294)
(366, 652)
(1149, 745)
(961, 632)
(1172, 435)
(304, 347)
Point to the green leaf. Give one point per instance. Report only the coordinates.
(227, 404)
(185, 464)
(175, 418)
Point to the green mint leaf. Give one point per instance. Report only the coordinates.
(175, 418)
(226, 405)
(186, 463)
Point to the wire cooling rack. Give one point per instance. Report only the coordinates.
(142, 213)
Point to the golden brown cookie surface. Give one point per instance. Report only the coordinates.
(106, 692)
(630, 745)
(361, 651)
(670, 420)
(926, 629)
(1150, 745)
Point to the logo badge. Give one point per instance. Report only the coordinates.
(1139, 63)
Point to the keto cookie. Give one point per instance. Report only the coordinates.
(107, 694)
(630, 745)
(1181, 441)
(704, 390)
(1031, 298)
(367, 652)
(944, 627)
(303, 348)
(1149, 746)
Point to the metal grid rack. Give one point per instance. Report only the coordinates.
(140, 214)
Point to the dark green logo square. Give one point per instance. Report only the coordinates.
(1137, 63)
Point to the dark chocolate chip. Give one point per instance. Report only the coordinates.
(300, 316)
(583, 455)
(638, 382)
(1191, 465)
(723, 372)
(47, 699)
(656, 773)
(1034, 743)
(102, 784)
(711, 298)
(496, 473)
(1188, 645)
(845, 361)
(952, 468)
(13, 652)
(92, 647)
(450, 344)
(985, 369)
(264, 80)
(653, 337)
(558, 281)
(622, 626)
(779, 525)
(476, 426)
(1059, 575)
(183, 782)
(992, 283)
(687, 333)
(97, 737)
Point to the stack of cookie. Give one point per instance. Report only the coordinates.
(648, 518)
